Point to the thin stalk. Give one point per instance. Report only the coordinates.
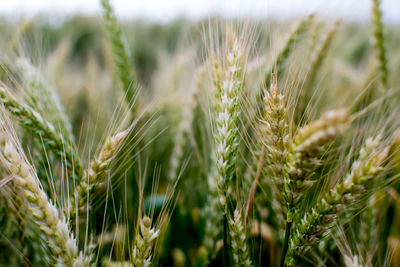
(225, 260)
(285, 244)
(260, 237)
(253, 189)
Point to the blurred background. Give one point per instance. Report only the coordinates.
(66, 42)
(166, 11)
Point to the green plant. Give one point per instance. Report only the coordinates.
(232, 153)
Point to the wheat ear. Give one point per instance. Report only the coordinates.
(61, 242)
(369, 228)
(212, 215)
(120, 52)
(317, 58)
(15, 41)
(379, 42)
(95, 177)
(228, 84)
(185, 135)
(33, 121)
(317, 221)
(353, 261)
(275, 137)
(319, 54)
(306, 152)
(17, 225)
(44, 98)
(303, 160)
(275, 140)
(144, 242)
(283, 55)
(241, 254)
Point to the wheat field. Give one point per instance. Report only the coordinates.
(223, 142)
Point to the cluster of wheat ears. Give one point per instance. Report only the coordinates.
(283, 173)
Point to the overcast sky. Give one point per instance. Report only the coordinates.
(167, 10)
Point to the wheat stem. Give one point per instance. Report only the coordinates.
(285, 244)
